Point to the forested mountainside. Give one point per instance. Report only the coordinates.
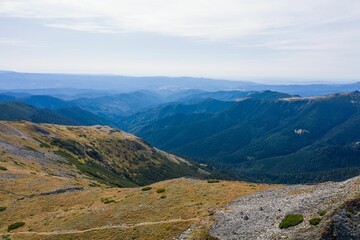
(258, 136)
(290, 139)
(15, 111)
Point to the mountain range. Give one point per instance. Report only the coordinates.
(262, 136)
(67, 85)
(271, 138)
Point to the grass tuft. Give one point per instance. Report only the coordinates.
(291, 220)
(322, 213)
(213, 181)
(108, 200)
(15, 226)
(146, 188)
(160, 190)
(3, 168)
(315, 221)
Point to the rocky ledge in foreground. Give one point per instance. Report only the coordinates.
(336, 207)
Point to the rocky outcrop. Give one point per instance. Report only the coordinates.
(258, 216)
(345, 224)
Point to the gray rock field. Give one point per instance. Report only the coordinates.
(257, 216)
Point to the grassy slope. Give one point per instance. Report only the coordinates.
(110, 156)
(135, 214)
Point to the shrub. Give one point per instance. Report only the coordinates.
(323, 212)
(160, 190)
(3, 209)
(163, 196)
(146, 188)
(291, 220)
(315, 221)
(213, 181)
(107, 200)
(15, 225)
(3, 168)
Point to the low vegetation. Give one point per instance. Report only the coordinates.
(146, 188)
(6, 237)
(108, 200)
(48, 210)
(3, 168)
(322, 213)
(15, 225)
(291, 220)
(213, 181)
(160, 190)
(315, 221)
(3, 209)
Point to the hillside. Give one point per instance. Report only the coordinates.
(288, 140)
(106, 105)
(118, 104)
(15, 111)
(63, 183)
(106, 155)
(56, 194)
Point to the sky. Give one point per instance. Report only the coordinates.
(281, 40)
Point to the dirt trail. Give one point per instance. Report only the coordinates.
(121, 226)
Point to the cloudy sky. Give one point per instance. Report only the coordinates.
(310, 40)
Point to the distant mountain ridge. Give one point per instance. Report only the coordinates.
(255, 135)
(14, 80)
(284, 140)
(18, 111)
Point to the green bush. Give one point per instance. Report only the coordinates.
(323, 212)
(146, 188)
(291, 220)
(3, 168)
(163, 196)
(15, 225)
(3, 209)
(160, 190)
(213, 181)
(315, 221)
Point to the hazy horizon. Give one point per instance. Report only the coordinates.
(256, 80)
(311, 41)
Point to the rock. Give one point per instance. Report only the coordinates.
(274, 204)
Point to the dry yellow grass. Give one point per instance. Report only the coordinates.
(100, 212)
(135, 214)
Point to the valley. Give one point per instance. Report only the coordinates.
(179, 120)
(58, 190)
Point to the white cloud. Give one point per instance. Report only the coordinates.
(204, 19)
(277, 37)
